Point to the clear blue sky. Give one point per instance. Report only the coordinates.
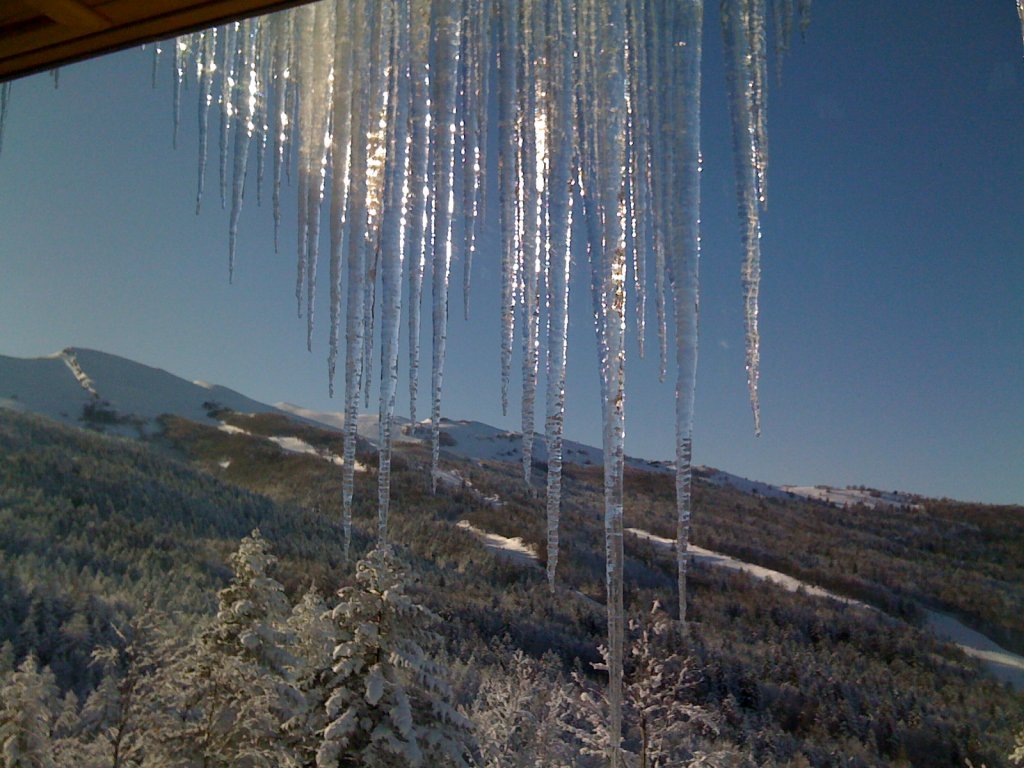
(892, 312)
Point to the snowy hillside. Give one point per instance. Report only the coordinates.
(76, 386)
(465, 439)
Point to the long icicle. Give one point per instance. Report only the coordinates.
(529, 241)
(686, 264)
(284, 23)
(305, 30)
(603, 32)
(375, 181)
(247, 88)
(444, 59)
(558, 87)
(229, 38)
(735, 31)
(391, 249)
(508, 151)
(418, 205)
(320, 92)
(208, 66)
(356, 249)
(341, 119)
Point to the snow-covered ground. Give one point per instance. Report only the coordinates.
(514, 549)
(757, 571)
(722, 479)
(465, 439)
(290, 444)
(849, 496)
(61, 385)
(1003, 664)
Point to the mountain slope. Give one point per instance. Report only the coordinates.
(92, 388)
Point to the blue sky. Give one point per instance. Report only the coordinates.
(893, 257)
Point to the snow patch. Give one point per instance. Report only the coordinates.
(295, 445)
(758, 572)
(514, 549)
(224, 463)
(850, 496)
(1004, 665)
(71, 361)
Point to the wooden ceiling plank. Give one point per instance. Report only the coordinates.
(131, 23)
(72, 13)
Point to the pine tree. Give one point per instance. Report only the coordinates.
(661, 722)
(229, 692)
(252, 610)
(387, 703)
(27, 701)
(518, 714)
(314, 635)
(118, 714)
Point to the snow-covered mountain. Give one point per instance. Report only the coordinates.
(84, 386)
(470, 440)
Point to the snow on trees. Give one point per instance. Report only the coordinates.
(386, 700)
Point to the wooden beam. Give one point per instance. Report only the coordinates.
(71, 13)
(28, 46)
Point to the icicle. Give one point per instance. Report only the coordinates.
(602, 42)
(247, 87)
(5, 100)
(375, 181)
(356, 224)
(532, 134)
(55, 74)
(1020, 12)
(340, 159)
(180, 49)
(282, 85)
(444, 29)
(685, 224)
(419, 193)
(508, 150)
(262, 66)
(391, 248)
(318, 145)
(756, 21)
(156, 63)
(560, 149)
(735, 30)
(227, 84)
(208, 66)
(477, 43)
(305, 30)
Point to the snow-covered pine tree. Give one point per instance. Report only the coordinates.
(388, 703)
(118, 714)
(229, 692)
(27, 701)
(661, 724)
(518, 714)
(252, 610)
(313, 632)
(659, 689)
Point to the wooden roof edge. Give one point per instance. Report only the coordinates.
(125, 36)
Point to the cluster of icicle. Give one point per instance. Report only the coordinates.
(388, 106)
